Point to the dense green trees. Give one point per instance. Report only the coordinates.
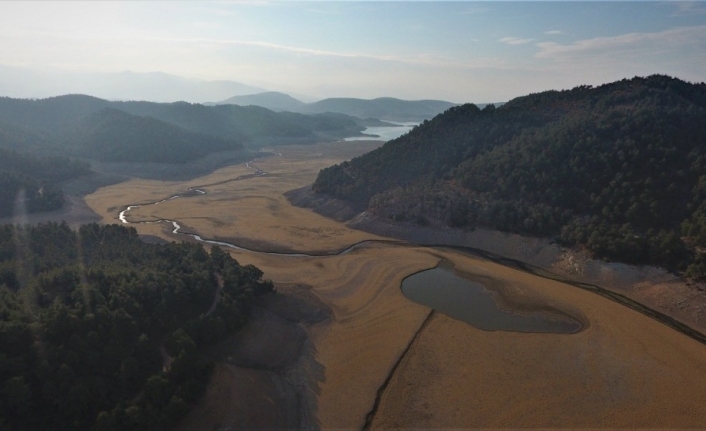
(620, 169)
(32, 181)
(92, 128)
(112, 135)
(99, 330)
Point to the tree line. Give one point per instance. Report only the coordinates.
(101, 331)
(31, 183)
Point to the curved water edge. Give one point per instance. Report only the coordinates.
(384, 133)
(191, 191)
(470, 299)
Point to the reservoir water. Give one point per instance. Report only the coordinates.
(384, 133)
(469, 301)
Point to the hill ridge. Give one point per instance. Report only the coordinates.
(619, 169)
(382, 108)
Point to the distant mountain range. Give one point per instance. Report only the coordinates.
(383, 108)
(273, 100)
(23, 82)
(33, 83)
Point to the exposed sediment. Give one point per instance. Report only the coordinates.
(381, 390)
(653, 290)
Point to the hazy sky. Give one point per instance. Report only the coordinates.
(457, 51)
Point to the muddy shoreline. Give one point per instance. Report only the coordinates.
(650, 290)
(537, 265)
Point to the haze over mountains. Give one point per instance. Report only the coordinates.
(23, 82)
(382, 108)
(26, 82)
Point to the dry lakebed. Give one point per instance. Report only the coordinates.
(341, 346)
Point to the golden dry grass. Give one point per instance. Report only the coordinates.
(251, 212)
(622, 370)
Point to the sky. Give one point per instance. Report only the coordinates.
(457, 51)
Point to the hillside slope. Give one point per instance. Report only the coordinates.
(61, 125)
(619, 169)
(113, 135)
(272, 100)
(100, 330)
(382, 108)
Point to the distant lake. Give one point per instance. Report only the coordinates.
(443, 290)
(384, 133)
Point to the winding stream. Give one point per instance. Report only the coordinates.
(198, 191)
(511, 263)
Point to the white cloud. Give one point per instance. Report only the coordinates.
(552, 32)
(688, 8)
(635, 43)
(324, 12)
(419, 59)
(244, 2)
(514, 40)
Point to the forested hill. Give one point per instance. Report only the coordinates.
(101, 331)
(272, 100)
(88, 127)
(111, 135)
(382, 108)
(619, 169)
